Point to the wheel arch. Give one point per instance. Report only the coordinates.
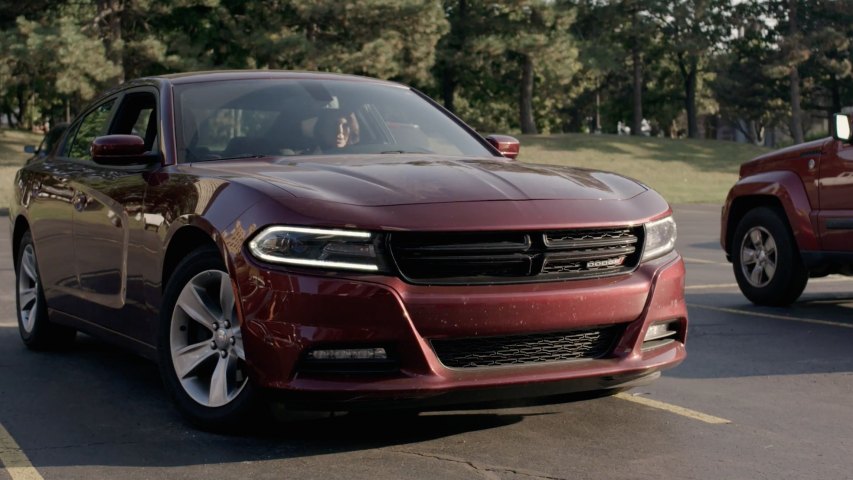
(21, 226)
(783, 191)
(182, 242)
(743, 205)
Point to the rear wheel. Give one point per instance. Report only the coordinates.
(202, 360)
(34, 325)
(767, 264)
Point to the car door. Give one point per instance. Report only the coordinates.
(836, 198)
(51, 208)
(108, 218)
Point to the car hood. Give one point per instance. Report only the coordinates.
(382, 180)
(781, 159)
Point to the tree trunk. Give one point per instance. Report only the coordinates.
(598, 110)
(636, 59)
(528, 125)
(21, 114)
(836, 96)
(7, 109)
(753, 133)
(796, 111)
(110, 13)
(449, 79)
(448, 90)
(690, 102)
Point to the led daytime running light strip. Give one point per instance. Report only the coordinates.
(316, 263)
(253, 246)
(318, 231)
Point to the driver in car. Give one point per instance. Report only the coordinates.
(335, 130)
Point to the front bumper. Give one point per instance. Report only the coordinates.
(285, 314)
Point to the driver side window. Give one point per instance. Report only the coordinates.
(93, 125)
(137, 115)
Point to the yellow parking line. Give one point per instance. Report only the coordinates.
(770, 315)
(734, 285)
(710, 286)
(14, 459)
(684, 412)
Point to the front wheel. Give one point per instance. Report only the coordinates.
(767, 264)
(202, 360)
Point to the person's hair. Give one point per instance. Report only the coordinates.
(327, 123)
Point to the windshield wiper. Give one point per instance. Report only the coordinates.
(238, 157)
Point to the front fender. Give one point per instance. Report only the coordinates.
(784, 186)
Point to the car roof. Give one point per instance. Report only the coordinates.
(220, 75)
(165, 80)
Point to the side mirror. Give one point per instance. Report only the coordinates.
(119, 150)
(29, 149)
(508, 146)
(842, 127)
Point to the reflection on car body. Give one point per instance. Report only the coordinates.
(200, 220)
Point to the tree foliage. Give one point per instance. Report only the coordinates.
(509, 56)
(509, 65)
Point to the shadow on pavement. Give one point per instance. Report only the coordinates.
(94, 404)
(729, 337)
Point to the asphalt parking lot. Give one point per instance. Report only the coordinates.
(764, 393)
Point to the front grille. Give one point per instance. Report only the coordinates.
(527, 349)
(512, 257)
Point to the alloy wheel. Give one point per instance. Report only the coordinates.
(758, 257)
(28, 289)
(205, 340)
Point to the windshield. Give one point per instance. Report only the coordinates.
(249, 118)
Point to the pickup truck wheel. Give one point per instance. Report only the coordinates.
(767, 264)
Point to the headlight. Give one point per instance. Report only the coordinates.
(660, 238)
(316, 247)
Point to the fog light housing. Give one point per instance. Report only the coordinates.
(339, 354)
(347, 360)
(660, 334)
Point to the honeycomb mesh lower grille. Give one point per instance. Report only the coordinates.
(527, 349)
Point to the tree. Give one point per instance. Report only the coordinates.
(518, 53)
(52, 61)
(810, 50)
(750, 98)
(793, 53)
(692, 31)
(381, 38)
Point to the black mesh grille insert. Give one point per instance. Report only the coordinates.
(510, 257)
(526, 349)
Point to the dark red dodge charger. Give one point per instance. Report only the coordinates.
(341, 242)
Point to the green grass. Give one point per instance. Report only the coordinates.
(683, 171)
(12, 157)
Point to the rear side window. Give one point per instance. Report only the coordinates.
(93, 125)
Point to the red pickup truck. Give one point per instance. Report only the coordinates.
(790, 217)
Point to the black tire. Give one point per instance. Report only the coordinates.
(763, 240)
(34, 325)
(236, 414)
